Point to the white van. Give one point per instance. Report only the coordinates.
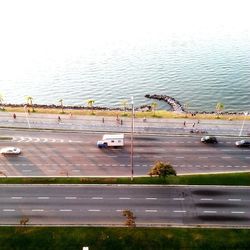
(111, 140)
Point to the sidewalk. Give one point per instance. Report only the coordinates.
(110, 124)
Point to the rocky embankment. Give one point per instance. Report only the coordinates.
(174, 104)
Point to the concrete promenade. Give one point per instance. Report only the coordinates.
(99, 123)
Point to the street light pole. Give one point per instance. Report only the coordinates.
(245, 113)
(132, 140)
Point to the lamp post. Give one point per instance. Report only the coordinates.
(245, 113)
(25, 110)
(132, 140)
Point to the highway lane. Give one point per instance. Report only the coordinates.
(103, 204)
(75, 154)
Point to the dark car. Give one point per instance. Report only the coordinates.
(242, 143)
(209, 139)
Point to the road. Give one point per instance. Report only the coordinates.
(54, 153)
(103, 205)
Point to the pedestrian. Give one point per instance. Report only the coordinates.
(59, 119)
(14, 116)
(198, 122)
(28, 111)
(193, 124)
(144, 119)
(184, 123)
(70, 115)
(103, 120)
(121, 121)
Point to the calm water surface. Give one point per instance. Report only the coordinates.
(194, 71)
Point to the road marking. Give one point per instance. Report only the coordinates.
(16, 197)
(179, 157)
(37, 210)
(119, 210)
(43, 198)
(203, 157)
(9, 210)
(179, 211)
(97, 198)
(237, 212)
(94, 210)
(26, 170)
(206, 199)
(151, 211)
(124, 198)
(151, 198)
(65, 210)
(247, 157)
(210, 212)
(70, 198)
(234, 199)
(226, 157)
(178, 199)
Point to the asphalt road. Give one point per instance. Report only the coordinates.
(46, 153)
(103, 205)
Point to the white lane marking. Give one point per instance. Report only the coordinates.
(179, 211)
(97, 198)
(70, 198)
(237, 212)
(94, 210)
(43, 198)
(151, 211)
(37, 210)
(210, 211)
(247, 157)
(124, 198)
(178, 199)
(206, 199)
(119, 210)
(234, 199)
(9, 210)
(26, 170)
(151, 198)
(203, 157)
(16, 197)
(226, 157)
(65, 210)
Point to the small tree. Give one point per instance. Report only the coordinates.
(2, 173)
(29, 100)
(130, 218)
(124, 104)
(154, 106)
(24, 221)
(219, 107)
(61, 103)
(90, 103)
(162, 169)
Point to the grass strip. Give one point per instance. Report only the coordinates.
(53, 238)
(241, 179)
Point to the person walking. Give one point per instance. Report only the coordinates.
(14, 116)
(184, 123)
(193, 124)
(103, 120)
(59, 119)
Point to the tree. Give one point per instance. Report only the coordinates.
(162, 169)
(154, 106)
(24, 221)
(1, 101)
(130, 218)
(61, 102)
(124, 104)
(90, 103)
(219, 107)
(29, 100)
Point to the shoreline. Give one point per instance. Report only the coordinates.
(140, 112)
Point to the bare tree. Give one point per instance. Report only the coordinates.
(162, 169)
(24, 221)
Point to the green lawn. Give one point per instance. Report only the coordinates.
(52, 238)
(208, 179)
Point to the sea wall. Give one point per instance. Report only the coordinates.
(174, 104)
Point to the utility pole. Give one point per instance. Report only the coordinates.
(132, 140)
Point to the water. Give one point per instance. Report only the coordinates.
(198, 72)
